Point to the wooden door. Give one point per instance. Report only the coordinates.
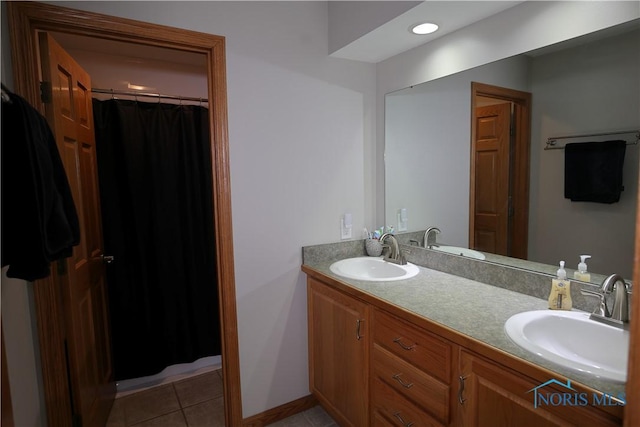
(492, 179)
(67, 97)
(339, 354)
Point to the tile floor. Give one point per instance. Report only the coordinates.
(192, 402)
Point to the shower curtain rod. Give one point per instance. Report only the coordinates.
(147, 95)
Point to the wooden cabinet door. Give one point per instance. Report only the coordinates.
(339, 353)
(490, 395)
(83, 285)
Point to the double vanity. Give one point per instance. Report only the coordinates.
(408, 345)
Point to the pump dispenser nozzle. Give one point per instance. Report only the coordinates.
(562, 274)
(582, 273)
(560, 296)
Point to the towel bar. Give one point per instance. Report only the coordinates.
(552, 141)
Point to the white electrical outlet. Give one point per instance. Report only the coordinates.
(346, 226)
(403, 219)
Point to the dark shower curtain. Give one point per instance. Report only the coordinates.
(154, 163)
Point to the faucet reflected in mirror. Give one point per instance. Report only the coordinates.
(429, 238)
(419, 130)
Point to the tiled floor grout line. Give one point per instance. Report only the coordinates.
(188, 405)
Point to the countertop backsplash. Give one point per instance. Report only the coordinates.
(515, 279)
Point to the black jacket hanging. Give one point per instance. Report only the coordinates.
(39, 218)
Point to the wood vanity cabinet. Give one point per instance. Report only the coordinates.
(375, 364)
(411, 373)
(493, 396)
(339, 353)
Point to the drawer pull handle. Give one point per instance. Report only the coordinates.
(406, 347)
(402, 383)
(461, 399)
(405, 424)
(358, 323)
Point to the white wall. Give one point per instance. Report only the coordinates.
(300, 132)
(23, 357)
(610, 69)
(525, 27)
(109, 71)
(427, 148)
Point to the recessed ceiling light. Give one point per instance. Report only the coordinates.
(425, 28)
(139, 87)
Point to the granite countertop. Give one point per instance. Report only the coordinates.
(471, 308)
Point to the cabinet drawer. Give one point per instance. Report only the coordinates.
(425, 351)
(396, 410)
(421, 389)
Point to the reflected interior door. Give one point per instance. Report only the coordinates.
(492, 179)
(82, 276)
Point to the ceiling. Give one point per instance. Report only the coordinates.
(394, 36)
(385, 41)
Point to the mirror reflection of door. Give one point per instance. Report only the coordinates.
(493, 192)
(499, 190)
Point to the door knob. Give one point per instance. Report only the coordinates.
(107, 259)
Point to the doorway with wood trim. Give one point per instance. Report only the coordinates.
(27, 20)
(499, 187)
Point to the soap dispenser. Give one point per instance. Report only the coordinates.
(582, 273)
(560, 296)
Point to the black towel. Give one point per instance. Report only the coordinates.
(593, 171)
(39, 218)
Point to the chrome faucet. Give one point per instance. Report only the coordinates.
(429, 240)
(615, 283)
(395, 255)
(619, 315)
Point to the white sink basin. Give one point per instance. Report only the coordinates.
(571, 339)
(459, 251)
(373, 269)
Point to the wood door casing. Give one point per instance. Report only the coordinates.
(85, 306)
(492, 189)
(25, 20)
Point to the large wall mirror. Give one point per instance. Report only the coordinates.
(585, 86)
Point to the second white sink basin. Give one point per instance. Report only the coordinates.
(571, 339)
(373, 269)
(456, 250)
